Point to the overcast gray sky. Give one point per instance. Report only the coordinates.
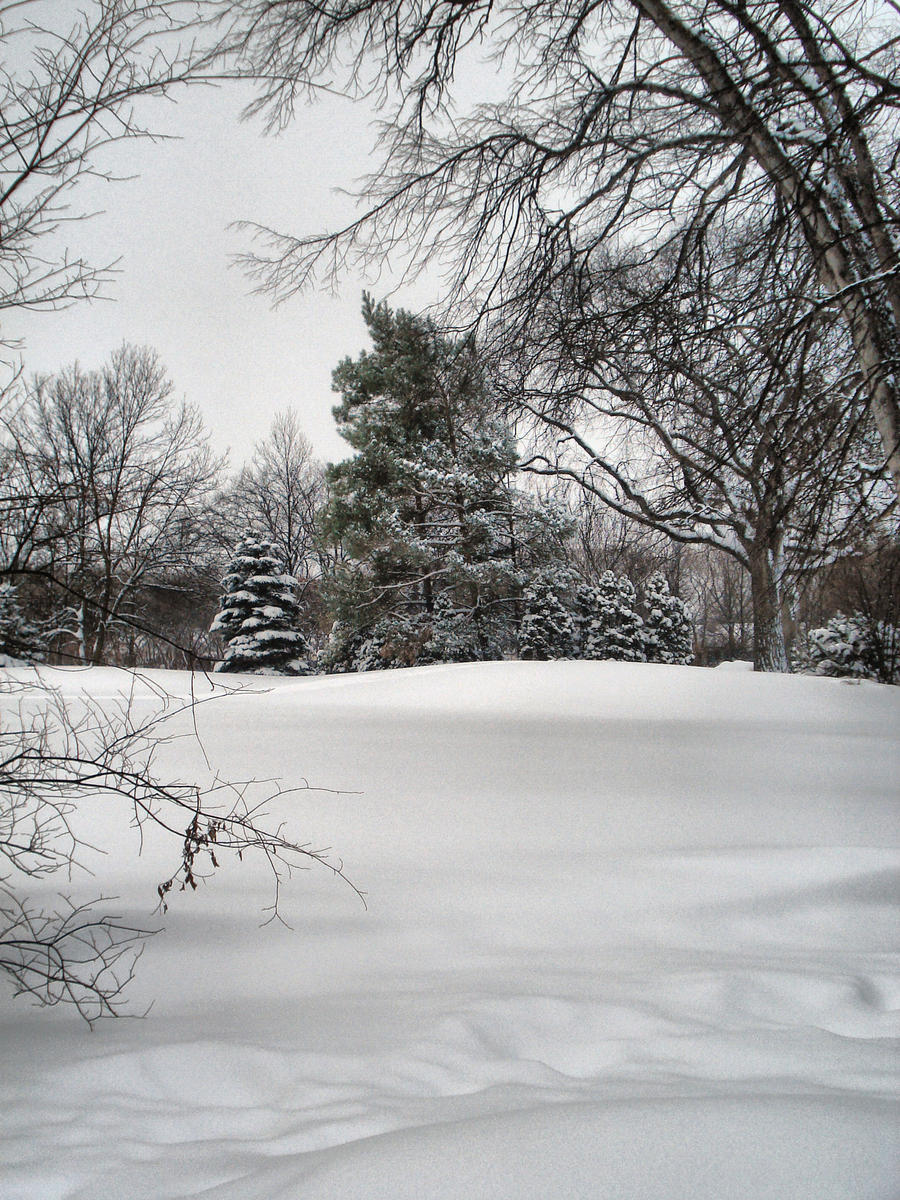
(226, 350)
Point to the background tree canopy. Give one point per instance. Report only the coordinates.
(646, 124)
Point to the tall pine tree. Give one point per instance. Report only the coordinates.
(437, 542)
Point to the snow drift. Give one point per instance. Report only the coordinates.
(629, 935)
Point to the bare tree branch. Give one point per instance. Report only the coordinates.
(633, 122)
(58, 756)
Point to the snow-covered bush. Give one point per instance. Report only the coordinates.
(458, 636)
(852, 647)
(337, 655)
(393, 642)
(547, 630)
(20, 640)
(668, 634)
(615, 631)
(258, 614)
(446, 635)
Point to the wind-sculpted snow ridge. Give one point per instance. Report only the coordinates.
(630, 935)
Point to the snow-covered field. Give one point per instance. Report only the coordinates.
(630, 936)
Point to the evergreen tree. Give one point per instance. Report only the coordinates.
(854, 647)
(340, 652)
(615, 631)
(258, 614)
(668, 634)
(548, 628)
(20, 640)
(585, 604)
(437, 543)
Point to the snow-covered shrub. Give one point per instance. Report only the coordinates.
(446, 635)
(393, 642)
(20, 640)
(337, 655)
(459, 635)
(615, 631)
(668, 634)
(258, 614)
(852, 647)
(547, 629)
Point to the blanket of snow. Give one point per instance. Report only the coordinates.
(631, 935)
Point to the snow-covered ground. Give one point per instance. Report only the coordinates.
(630, 936)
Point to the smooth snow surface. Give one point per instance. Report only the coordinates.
(630, 936)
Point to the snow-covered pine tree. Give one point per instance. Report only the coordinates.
(585, 604)
(338, 654)
(258, 614)
(436, 542)
(20, 640)
(615, 631)
(547, 630)
(668, 635)
(842, 647)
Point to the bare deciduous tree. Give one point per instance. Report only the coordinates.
(719, 414)
(99, 479)
(67, 93)
(281, 490)
(641, 121)
(719, 590)
(109, 480)
(606, 540)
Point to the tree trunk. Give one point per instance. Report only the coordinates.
(82, 633)
(769, 651)
(427, 590)
(868, 333)
(862, 283)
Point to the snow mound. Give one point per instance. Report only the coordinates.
(631, 933)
